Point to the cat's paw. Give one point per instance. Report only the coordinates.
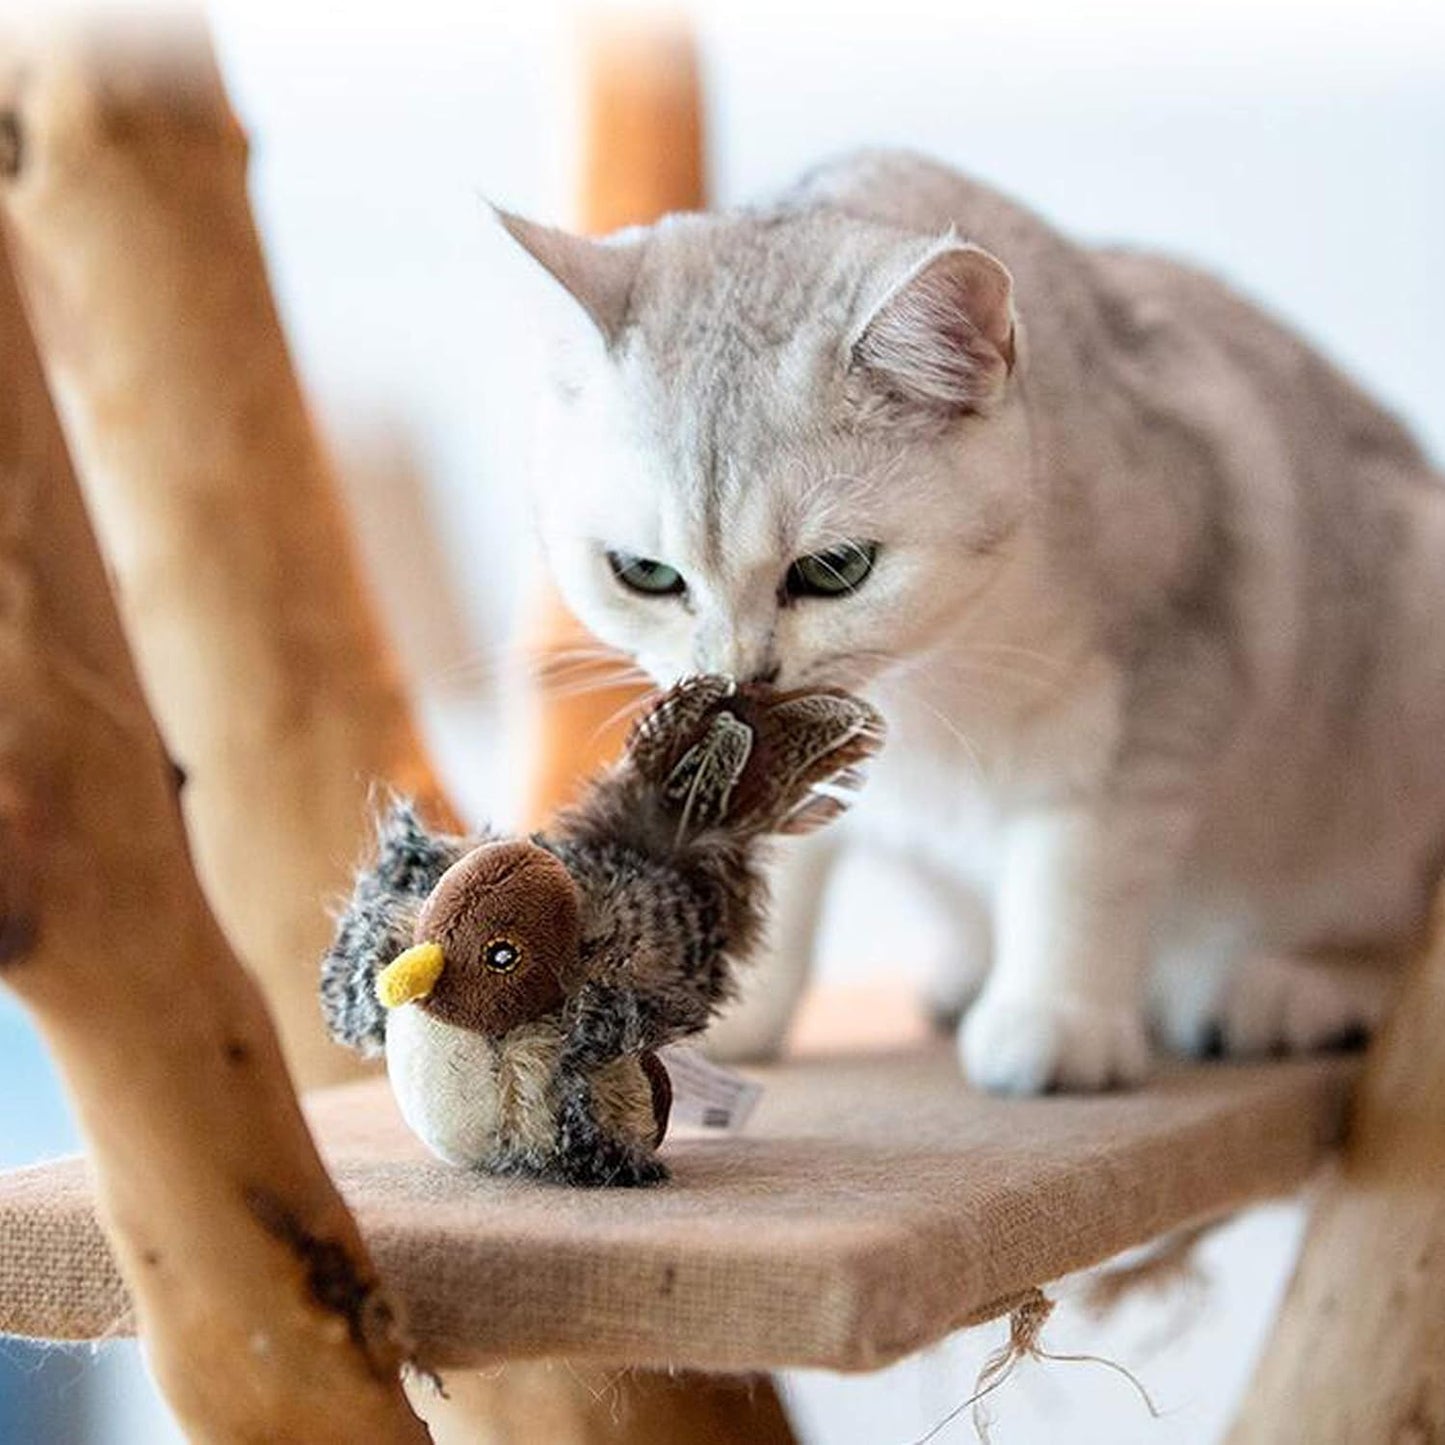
(1272, 1004)
(955, 985)
(947, 997)
(1026, 1045)
(953, 989)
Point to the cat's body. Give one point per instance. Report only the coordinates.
(1153, 613)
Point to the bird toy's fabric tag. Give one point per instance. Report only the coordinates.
(705, 1096)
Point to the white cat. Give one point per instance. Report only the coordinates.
(1152, 597)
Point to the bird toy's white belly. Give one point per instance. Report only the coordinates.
(469, 1097)
(475, 1100)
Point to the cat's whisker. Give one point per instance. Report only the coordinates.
(585, 668)
(572, 671)
(959, 736)
(553, 673)
(1049, 672)
(1001, 670)
(1030, 652)
(629, 678)
(851, 669)
(551, 659)
(522, 657)
(632, 708)
(567, 654)
(485, 666)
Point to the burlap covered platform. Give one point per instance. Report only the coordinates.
(872, 1205)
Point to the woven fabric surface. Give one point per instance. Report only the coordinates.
(873, 1204)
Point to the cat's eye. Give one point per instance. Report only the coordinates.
(645, 575)
(834, 573)
(501, 955)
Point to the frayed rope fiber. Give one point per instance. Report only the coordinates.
(1025, 1325)
(1170, 1265)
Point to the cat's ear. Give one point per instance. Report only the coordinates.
(599, 275)
(943, 336)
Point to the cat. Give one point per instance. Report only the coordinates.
(1150, 595)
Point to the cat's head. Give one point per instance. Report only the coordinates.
(784, 446)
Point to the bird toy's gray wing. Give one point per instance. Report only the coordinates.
(377, 922)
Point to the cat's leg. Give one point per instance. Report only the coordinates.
(755, 1026)
(1063, 1007)
(958, 980)
(1255, 1004)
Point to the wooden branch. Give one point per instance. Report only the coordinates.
(585, 1404)
(1358, 1352)
(641, 157)
(215, 505)
(261, 1310)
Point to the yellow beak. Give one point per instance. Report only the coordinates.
(410, 975)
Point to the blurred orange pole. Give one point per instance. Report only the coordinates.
(642, 140)
(642, 156)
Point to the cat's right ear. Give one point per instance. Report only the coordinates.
(943, 337)
(598, 275)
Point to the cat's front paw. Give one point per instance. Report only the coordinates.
(1271, 1004)
(1026, 1045)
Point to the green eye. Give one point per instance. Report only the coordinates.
(642, 574)
(834, 573)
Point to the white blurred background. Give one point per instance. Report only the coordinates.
(1295, 147)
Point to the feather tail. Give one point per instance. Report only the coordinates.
(754, 761)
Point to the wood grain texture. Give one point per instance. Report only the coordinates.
(262, 1313)
(1358, 1351)
(215, 505)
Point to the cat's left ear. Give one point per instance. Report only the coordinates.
(944, 336)
(599, 275)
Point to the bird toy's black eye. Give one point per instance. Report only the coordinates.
(501, 955)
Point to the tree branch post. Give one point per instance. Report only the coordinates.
(262, 1314)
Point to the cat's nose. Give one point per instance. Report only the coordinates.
(738, 652)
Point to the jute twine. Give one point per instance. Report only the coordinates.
(1026, 1324)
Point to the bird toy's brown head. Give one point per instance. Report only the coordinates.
(496, 941)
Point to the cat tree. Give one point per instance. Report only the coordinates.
(874, 1205)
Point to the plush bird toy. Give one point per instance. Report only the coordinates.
(521, 988)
